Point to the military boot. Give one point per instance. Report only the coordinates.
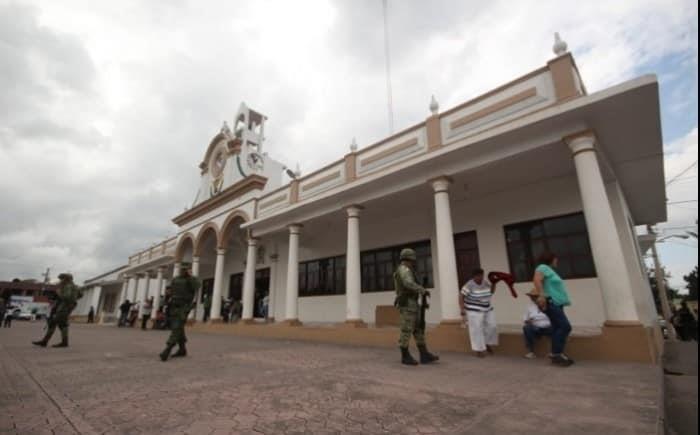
(63, 343)
(166, 352)
(41, 343)
(425, 356)
(181, 351)
(406, 357)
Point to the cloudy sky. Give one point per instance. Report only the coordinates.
(107, 107)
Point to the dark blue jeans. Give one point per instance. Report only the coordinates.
(561, 328)
(532, 333)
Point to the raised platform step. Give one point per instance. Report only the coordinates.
(629, 343)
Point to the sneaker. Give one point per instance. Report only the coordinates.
(561, 361)
(530, 355)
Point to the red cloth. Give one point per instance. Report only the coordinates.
(507, 278)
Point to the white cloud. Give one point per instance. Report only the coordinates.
(113, 103)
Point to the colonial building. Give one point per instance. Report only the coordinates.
(536, 164)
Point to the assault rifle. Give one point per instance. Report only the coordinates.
(424, 305)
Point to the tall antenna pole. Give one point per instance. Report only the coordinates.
(388, 68)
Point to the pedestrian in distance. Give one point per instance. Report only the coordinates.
(407, 293)
(124, 309)
(91, 315)
(536, 324)
(146, 312)
(2, 309)
(553, 298)
(184, 289)
(476, 305)
(67, 298)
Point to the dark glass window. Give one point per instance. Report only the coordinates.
(378, 266)
(564, 236)
(322, 277)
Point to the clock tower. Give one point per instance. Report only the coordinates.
(234, 154)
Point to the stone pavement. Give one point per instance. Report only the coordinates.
(111, 381)
(681, 387)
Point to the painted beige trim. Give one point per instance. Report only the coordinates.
(433, 132)
(250, 183)
(583, 133)
(587, 150)
(273, 201)
(493, 108)
(350, 167)
(562, 70)
(497, 90)
(323, 180)
(389, 151)
(294, 191)
(623, 324)
(226, 227)
(197, 251)
(181, 243)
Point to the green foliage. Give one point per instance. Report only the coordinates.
(691, 280)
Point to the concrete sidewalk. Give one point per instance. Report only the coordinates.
(681, 387)
(111, 381)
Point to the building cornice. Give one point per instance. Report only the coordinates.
(236, 190)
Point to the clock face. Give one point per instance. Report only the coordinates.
(218, 162)
(255, 161)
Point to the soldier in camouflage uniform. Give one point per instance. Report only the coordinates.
(67, 298)
(184, 289)
(407, 293)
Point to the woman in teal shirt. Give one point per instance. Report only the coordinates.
(553, 297)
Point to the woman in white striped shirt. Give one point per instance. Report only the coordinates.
(481, 320)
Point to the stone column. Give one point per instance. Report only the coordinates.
(353, 272)
(135, 288)
(606, 247)
(249, 280)
(147, 288)
(291, 309)
(215, 315)
(194, 314)
(176, 269)
(447, 266)
(125, 290)
(272, 305)
(159, 289)
(95, 302)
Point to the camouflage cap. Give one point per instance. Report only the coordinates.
(185, 265)
(408, 254)
(65, 276)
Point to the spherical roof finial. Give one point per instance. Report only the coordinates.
(434, 107)
(559, 46)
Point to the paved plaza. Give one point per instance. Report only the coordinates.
(111, 381)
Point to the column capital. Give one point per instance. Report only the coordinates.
(195, 258)
(580, 142)
(253, 241)
(221, 251)
(162, 269)
(441, 183)
(295, 228)
(354, 210)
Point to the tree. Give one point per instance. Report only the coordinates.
(691, 280)
(670, 292)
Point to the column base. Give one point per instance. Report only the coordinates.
(215, 321)
(292, 322)
(353, 323)
(270, 320)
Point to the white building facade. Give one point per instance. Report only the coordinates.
(535, 165)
